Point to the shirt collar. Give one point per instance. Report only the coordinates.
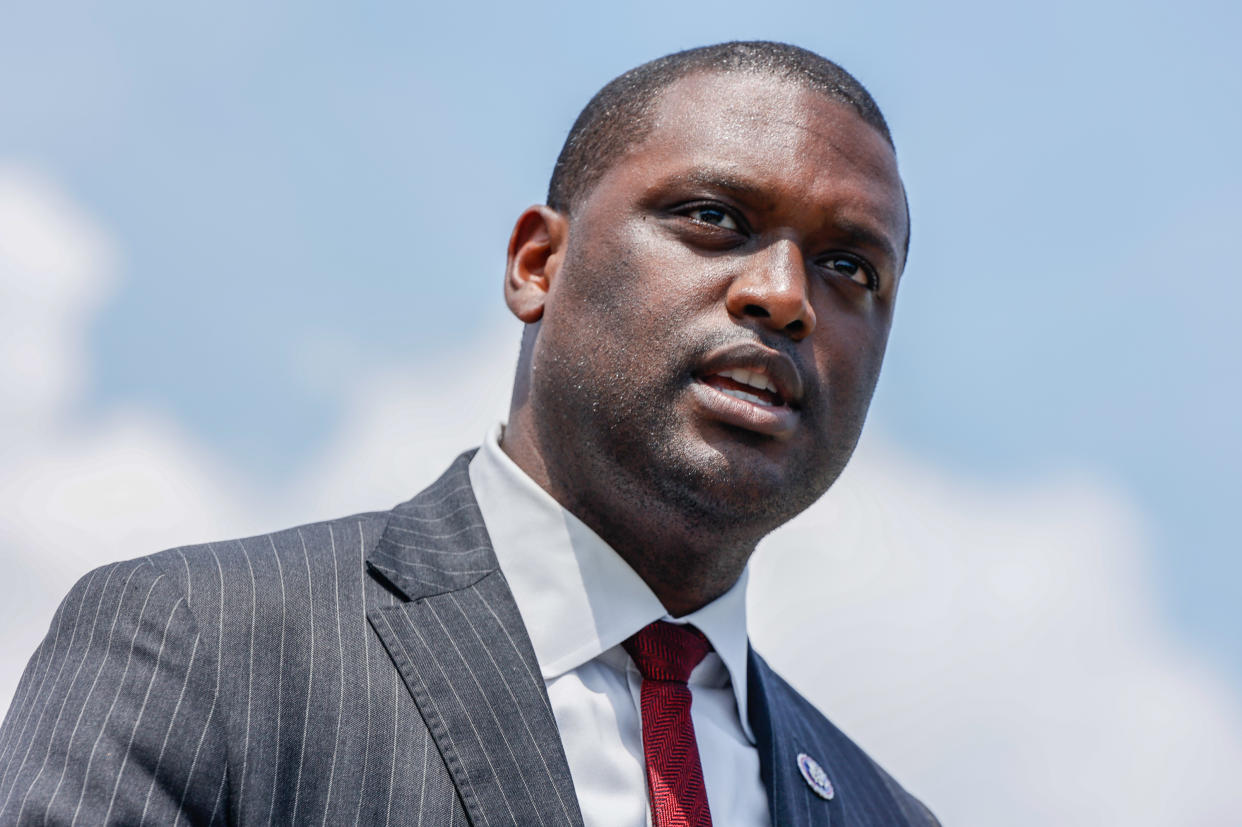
(576, 595)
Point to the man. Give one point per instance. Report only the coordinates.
(553, 632)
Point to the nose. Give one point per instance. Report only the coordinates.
(774, 290)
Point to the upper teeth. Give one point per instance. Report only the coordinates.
(754, 378)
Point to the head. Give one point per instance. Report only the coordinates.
(708, 297)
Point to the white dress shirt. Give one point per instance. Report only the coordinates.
(579, 601)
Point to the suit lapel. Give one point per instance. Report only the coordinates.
(786, 726)
(463, 652)
(789, 800)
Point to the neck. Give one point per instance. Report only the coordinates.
(686, 565)
(686, 559)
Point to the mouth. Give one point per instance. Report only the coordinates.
(752, 387)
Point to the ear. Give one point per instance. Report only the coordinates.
(536, 250)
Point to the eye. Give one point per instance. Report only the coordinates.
(852, 268)
(716, 216)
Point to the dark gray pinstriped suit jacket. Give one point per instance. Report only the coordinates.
(368, 670)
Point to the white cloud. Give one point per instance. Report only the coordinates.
(997, 645)
(55, 266)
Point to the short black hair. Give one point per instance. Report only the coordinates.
(619, 116)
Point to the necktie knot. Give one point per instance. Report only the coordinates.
(665, 651)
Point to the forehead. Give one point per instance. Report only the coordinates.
(787, 143)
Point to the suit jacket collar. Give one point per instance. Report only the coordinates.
(462, 650)
(435, 543)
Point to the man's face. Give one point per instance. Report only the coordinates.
(715, 330)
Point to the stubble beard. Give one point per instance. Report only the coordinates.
(624, 447)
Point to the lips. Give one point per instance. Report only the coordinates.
(750, 386)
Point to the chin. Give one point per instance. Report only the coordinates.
(744, 478)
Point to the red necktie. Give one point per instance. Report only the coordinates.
(666, 653)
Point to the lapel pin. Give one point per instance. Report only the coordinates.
(815, 776)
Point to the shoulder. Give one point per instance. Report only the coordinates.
(266, 575)
(319, 548)
(308, 571)
(231, 587)
(870, 791)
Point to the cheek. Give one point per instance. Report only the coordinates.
(597, 321)
(850, 354)
(638, 280)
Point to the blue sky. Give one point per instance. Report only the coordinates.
(300, 193)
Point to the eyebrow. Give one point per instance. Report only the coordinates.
(716, 179)
(864, 236)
